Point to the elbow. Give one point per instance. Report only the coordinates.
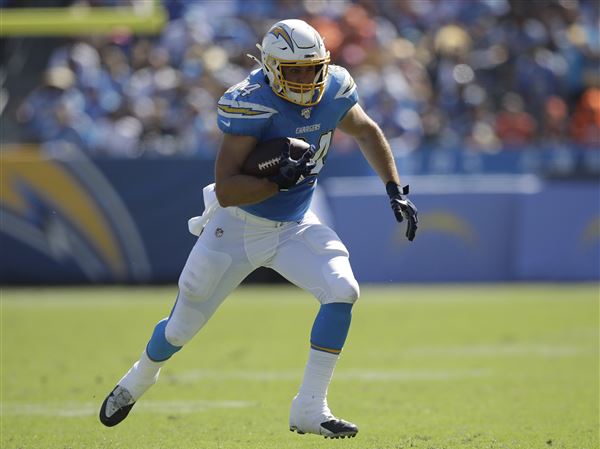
(223, 197)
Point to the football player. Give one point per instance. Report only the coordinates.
(252, 221)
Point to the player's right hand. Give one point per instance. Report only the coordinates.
(403, 208)
(290, 170)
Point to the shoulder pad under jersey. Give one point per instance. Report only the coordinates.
(341, 90)
(244, 109)
(342, 84)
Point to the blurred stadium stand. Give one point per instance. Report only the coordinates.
(473, 75)
(461, 88)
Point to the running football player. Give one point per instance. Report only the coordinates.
(251, 222)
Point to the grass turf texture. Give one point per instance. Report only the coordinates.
(424, 367)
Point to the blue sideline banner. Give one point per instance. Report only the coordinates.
(474, 228)
(461, 237)
(125, 221)
(560, 233)
(103, 221)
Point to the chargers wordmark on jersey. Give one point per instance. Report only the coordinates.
(308, 129)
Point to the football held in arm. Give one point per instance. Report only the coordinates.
(277, 127)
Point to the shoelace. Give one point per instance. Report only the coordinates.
(121, 399)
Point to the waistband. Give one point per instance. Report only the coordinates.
(249, 218)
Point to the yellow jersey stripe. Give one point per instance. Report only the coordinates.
(331, 351)
(243, 111)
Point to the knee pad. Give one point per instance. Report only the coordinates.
(345, 290)
(325, 243)
(202, 273)
(341, 283)
(185, 322)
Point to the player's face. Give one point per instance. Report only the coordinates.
(300, 74)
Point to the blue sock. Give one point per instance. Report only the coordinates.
(330, 328)
(158, 348)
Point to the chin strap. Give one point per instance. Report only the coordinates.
(255, 59)
(258, 61)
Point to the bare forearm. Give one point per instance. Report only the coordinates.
(238, 190)
(378, 153)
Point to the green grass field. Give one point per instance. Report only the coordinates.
(487, 366)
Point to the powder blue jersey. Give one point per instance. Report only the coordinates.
(251, 108)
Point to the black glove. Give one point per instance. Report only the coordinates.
(291, 170)
(403, 208)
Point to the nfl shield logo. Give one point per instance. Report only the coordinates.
(306, 113)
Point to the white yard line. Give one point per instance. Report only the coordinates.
(499, 350)
(349, 374)
(76, 409)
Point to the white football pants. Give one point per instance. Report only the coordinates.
(234, 243)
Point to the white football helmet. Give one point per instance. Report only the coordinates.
(294, 43)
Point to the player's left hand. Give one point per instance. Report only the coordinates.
(403, 208)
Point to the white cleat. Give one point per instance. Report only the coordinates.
(316, 418)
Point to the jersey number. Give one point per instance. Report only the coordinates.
(322, 150)
(244, 88)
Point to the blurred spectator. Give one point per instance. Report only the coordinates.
(480, 75)
(555, 121)
(514, 126)
(42, 109)
(585, 127)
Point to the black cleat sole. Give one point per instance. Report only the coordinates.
(333, 437)
(340, 428)
(117, 417)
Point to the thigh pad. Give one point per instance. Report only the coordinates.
(323, 240)
(203, 272)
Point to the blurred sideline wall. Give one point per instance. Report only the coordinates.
(125, 221)
(491, 108)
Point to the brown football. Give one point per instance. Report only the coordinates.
(263, 161)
